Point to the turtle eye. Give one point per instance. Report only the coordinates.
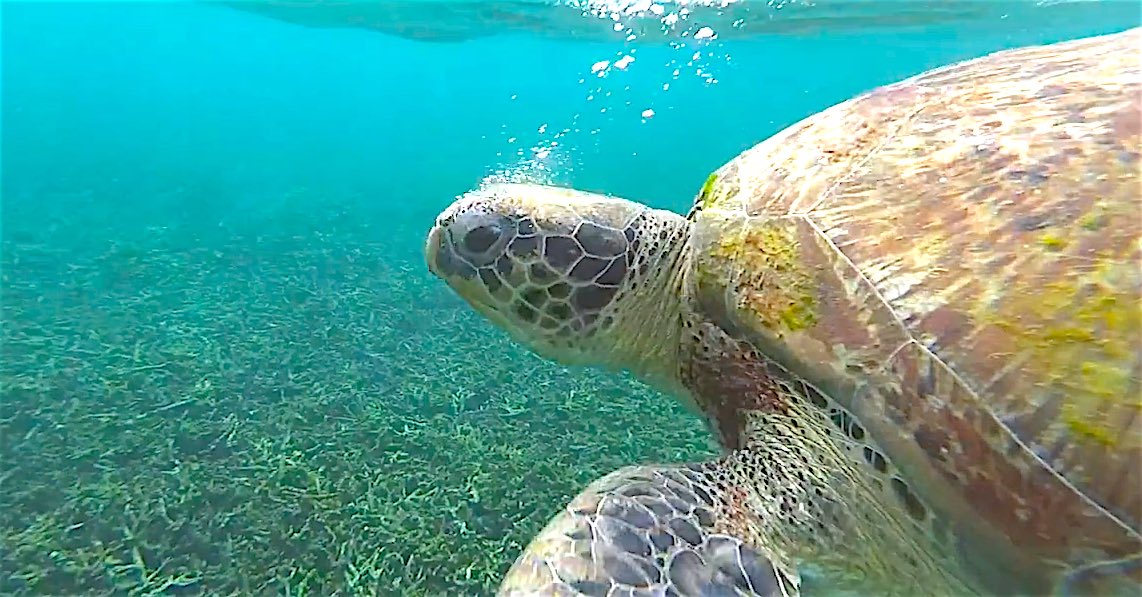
(480, 237)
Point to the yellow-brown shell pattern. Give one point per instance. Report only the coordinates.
(958, 258)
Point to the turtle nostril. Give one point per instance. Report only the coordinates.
(481, 239)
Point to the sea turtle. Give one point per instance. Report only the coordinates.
(912, 319)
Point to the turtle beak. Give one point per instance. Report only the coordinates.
(442, 258)
(432, 248)
(470, 234)
(447, 261)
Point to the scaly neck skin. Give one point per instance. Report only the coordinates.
(648, 340)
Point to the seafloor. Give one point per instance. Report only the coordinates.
(283, 402)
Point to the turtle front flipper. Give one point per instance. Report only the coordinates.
(649, 530)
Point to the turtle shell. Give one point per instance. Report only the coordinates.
(956, 259)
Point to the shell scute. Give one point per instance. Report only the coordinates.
(779, 278)
(1006, 486)
(790, 172)
(775, 285)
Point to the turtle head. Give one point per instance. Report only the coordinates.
(579, 278)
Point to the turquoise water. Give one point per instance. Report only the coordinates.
(225, 367)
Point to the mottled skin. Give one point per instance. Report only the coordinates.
(914, 320)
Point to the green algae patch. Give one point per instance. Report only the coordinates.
(1081, 335)
(1053, 242)
(1092, 222)
(772, 283)
(706, 195)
